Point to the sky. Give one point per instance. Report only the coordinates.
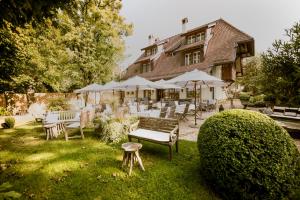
(264, 20)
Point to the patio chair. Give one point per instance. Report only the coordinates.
(163, 112)
(108, 110)
(182, 114)
(171, 114)
(84, 119)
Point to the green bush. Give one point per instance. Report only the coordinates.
(4, 112)
(244, 96)
(10, 122)
(112, 130)
(257, 98)
(58, 104)
(247, 155)
(257, 101)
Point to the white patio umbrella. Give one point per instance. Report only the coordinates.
(197, 77)
(137, 83)
(165, 85)
(110, 86)
(90, 88)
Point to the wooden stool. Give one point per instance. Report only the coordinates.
(131, 154)
(51, 130)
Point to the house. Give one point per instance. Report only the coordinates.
(217, 48)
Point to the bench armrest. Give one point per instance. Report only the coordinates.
(174, 133)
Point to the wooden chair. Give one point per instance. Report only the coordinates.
(163, 112)
(182, 114)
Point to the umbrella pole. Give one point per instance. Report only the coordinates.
(95, 97)
(200, 94)
(137, 98)
(195, 93)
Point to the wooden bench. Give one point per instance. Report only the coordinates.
(157, 130)
(285, 113)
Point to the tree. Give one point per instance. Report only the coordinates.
(281, 68)
(75, 47)
(18, 13)
(252, 77)
(94, 39)
(276, 73)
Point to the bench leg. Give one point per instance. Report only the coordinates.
(66, 136)
(177, 146)
(47, 133)
(170, 152)
(81, 132)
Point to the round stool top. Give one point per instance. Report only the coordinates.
(131, 146)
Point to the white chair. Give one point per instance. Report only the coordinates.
(84, 119)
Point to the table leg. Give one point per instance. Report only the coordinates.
(124, 159)
(131, 163)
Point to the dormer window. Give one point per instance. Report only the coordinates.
(195, 38)
(150, 52)
(193, 58)
(145, 67)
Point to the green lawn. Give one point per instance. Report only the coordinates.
(90, 169)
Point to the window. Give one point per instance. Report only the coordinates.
(188, 58)
(196, 57)
(148, 52)
(202, 36)
(190, 39)
(146, 67)
(153, 51)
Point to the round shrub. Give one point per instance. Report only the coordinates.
(247, 155)
(10, 122)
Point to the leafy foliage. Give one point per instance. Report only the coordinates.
(247, 155)
(22, 12)
(282, 68)
(10, 122)
(277, 71)
(75, 46)
(244, 96)
(113, 130)
(4, 112)
(58, 104)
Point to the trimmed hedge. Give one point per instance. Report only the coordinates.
(246, 155)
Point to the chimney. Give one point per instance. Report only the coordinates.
(184, 23)
(150, 39)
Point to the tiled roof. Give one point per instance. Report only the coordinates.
(221, 48)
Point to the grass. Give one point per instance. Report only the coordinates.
(90, 169)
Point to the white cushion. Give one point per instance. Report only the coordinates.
(152, 135)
